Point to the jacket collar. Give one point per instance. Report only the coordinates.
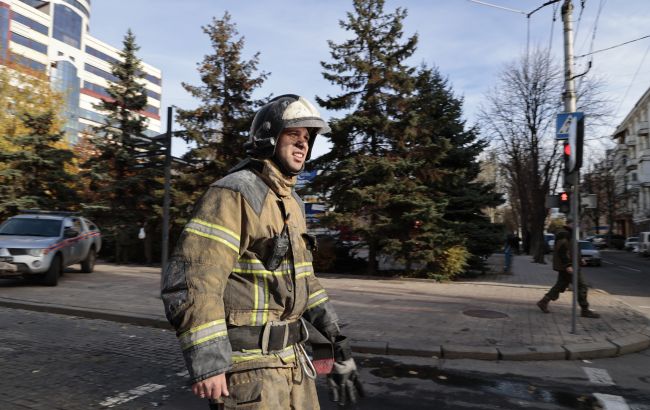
(281, 184)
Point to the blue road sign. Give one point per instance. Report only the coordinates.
(563, 124)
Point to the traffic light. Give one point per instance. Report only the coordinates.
(564, 202)
(573, 148)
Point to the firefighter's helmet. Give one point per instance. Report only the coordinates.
(282, 112)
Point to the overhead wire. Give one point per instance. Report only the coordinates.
(620, 104)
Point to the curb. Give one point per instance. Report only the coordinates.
(612, 348)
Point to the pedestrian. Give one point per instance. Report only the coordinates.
(240, 288)
(562, 263)
(507, 253)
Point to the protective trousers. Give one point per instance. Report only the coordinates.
(564, 279)
(276, 388)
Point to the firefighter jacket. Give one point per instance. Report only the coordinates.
(216, 278)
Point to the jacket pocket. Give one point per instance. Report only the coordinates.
(245, 390)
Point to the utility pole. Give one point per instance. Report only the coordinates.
(570, 106)
(166, 199)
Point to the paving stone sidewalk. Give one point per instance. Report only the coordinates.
(493, 317)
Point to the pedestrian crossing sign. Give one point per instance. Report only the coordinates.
(564, 121)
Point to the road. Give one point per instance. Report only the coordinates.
(624, 274)
(51, 361)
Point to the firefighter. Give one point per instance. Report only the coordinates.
(240, 288)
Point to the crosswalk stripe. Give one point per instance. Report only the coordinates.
(598, 376)
(611, 402)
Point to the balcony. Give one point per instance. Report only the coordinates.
(642, 128)
(631, 141)
(633, 186)
(631, 164)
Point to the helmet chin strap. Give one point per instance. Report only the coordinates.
(284, 169)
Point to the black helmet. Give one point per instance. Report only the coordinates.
(285, 111)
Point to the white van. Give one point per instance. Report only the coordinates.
(644, 243)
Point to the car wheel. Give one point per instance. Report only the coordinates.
(51, 277)
(88, 264)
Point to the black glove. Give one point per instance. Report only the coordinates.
(345, 385)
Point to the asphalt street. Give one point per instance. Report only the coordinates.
(52, 361)
(624, 274)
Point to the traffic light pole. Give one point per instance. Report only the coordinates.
(570, 106)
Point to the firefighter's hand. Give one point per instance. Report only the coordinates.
(345, 386)
(211, 388)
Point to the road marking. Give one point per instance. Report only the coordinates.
(609, 263)
(611, 402)
(598, 376)
(625, 267)
(131, 394)
(644, 307)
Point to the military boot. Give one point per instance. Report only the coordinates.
(543, 304)
(589, 313)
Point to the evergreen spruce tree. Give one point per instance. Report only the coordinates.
(369, 181)
(37, 175)
(219, 126)
(127, 184)
(439, 118)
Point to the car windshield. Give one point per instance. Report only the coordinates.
(586, 245)
(31, 227)
(633, 239)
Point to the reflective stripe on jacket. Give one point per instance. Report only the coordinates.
(216, 277)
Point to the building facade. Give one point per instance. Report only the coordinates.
(53, 37)
(630, 161)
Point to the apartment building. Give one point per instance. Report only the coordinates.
(630, 161)
(54, 37)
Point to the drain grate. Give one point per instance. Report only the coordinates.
(485, 314)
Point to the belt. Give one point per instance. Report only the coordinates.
(272, 337)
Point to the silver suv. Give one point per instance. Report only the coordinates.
(39, 244)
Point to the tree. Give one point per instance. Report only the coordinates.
(35, 162)
(375, 83)
(219, 126)
(35, 176)
(466, 196)
(519, 116)
(125, 181)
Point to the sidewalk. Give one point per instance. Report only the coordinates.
(493, 318)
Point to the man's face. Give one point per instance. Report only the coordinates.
(292, 147)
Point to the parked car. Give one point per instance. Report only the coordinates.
(644, 243)
(599, 241)
(39, 244)
(631, 242)
(589, 253)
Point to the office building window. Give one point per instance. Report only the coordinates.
(97, 88)
(101, 73)
(34, 25)
(153, 95)
(102, 56)
(29, 43)
(4, 31)
(151, 109)
(152, 79)
(80, 6)
(67, 25)
(27, 62)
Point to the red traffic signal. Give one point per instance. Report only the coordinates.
(565, 202)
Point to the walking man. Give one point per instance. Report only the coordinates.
(562, 264)
(240, 288)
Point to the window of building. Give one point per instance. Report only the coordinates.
(80, 6)
(152, 79)
(29, 43)
(27, 62)
(34, 25)
(101, 73)
(633, 177)
(152, 109)
(4, 31)
(102, 56)
(153, 95)
(67, 25)
(96, 88)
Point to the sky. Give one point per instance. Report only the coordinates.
(469, 43)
